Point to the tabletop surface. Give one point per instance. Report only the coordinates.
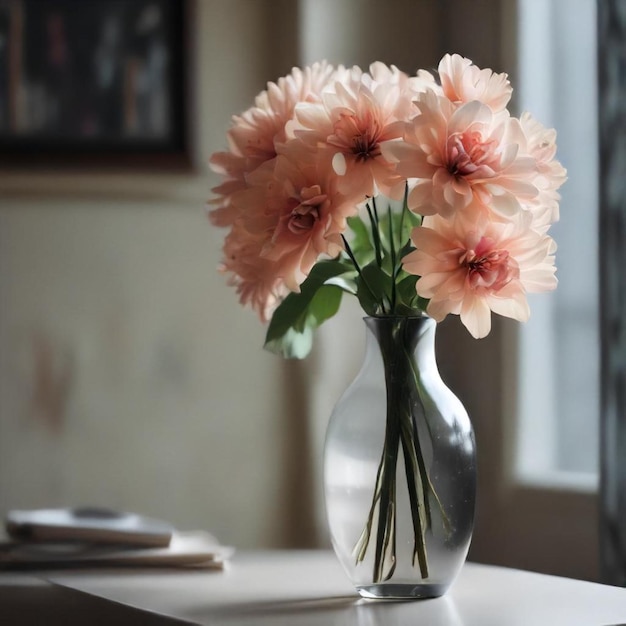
(301, 587)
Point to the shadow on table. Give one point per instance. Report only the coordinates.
(342, 610)
(53, 604)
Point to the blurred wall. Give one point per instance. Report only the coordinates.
(129, 375)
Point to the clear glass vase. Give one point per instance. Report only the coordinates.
(400, 468)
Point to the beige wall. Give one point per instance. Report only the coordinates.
(129, 375)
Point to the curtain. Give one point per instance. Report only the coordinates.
(612, 118)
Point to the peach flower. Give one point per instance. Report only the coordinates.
(462, 82)
(293, 207)
(541, 145)
(320, 141)
(351, 121)
(254, 135)
(461, 156)
(473, 267)
(255, 278)
(380, 74)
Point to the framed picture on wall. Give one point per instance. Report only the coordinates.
(92, 81)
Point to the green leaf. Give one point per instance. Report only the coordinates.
(297, 341)
(408, 247)
(406, 296)
(361, 236)
(292, 344)
(422, 303)
(408, 302)
(290, 332)
(378, 280)
(368, 302)
(373, 289)
(405, 290)
(409, 221)
(324, 305)
(294, 306)
(344, 282)
(361, 243)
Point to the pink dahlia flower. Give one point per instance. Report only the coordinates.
(255, 134)
(541, 145)
(471, 268)
(461, 156)
(255, 278)
(292, 206)
(462, 82)
(351, 122)
(381, 74)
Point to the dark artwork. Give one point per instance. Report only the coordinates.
(91, 75)
(612, 120)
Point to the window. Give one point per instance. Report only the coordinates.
(558, 401)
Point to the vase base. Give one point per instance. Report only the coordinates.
(401, 591)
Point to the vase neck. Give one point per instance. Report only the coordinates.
(414, 334)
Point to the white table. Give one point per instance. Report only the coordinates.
(299, 587)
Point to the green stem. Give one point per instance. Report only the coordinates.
(392, 254)
(375, 232)
(405, 208)
(418, 500)
(404, 392)
(357, 267)
(427, 484)
(375, 209)
(386, 532)
(364, 539)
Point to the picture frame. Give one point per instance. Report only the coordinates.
(98, 82)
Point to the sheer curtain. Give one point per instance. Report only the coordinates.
(558, 401)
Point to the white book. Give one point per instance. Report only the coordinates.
(88, 524)
(197, 548)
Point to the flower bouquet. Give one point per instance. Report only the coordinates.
(416, 195)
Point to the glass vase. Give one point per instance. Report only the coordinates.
(400, 468)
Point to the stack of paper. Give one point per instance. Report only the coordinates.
(99, 537)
